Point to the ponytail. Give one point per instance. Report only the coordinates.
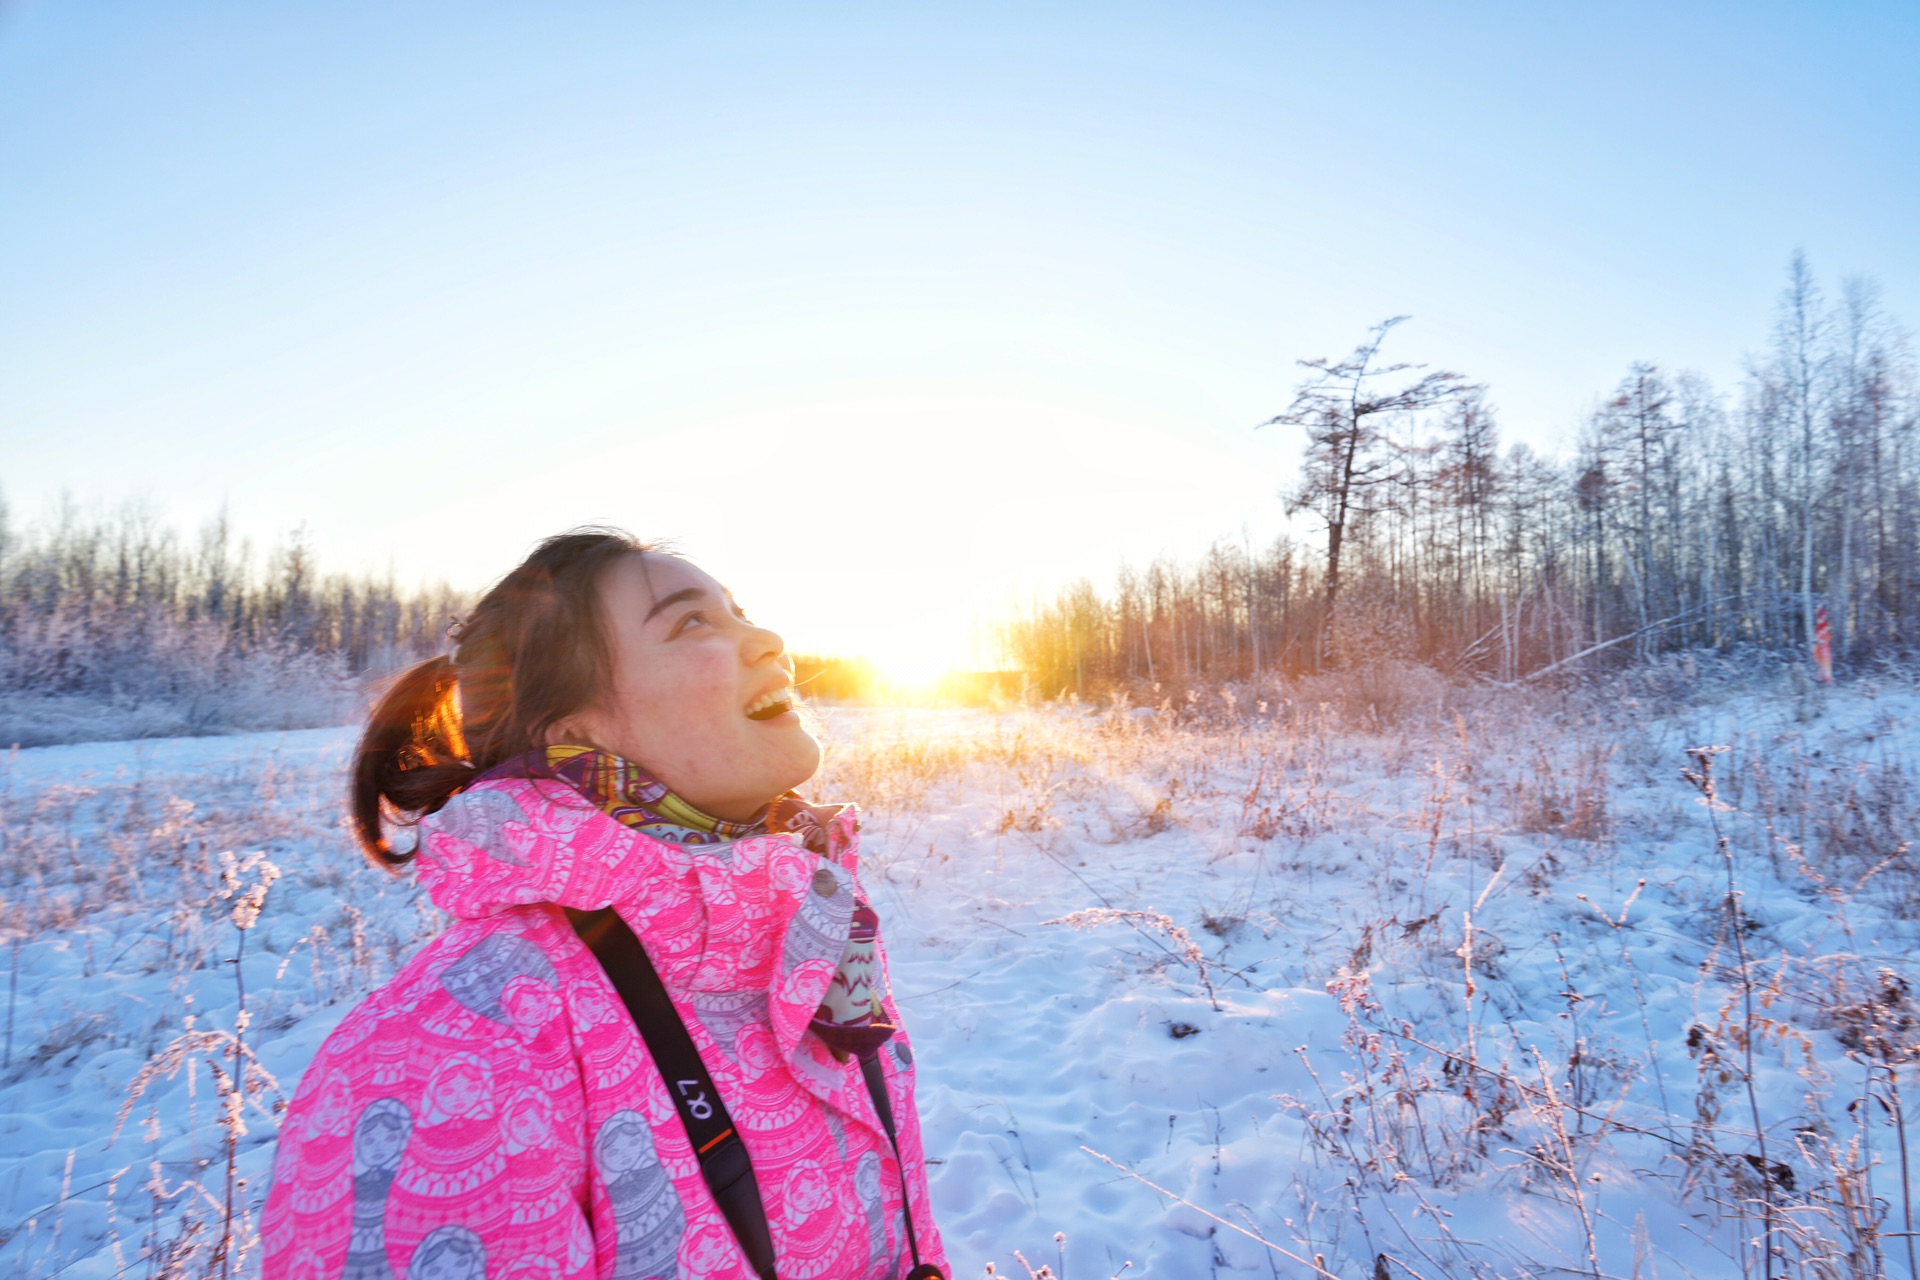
(411, 758)
(532, 652)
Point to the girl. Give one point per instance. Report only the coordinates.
(610, 732)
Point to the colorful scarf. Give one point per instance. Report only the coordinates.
(851, 1019)
(634, 798)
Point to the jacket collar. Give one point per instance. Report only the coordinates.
(764, 916)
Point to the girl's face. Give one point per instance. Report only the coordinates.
(701, 697)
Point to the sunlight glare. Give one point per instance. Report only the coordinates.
(910, 670)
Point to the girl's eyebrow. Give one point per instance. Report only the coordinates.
(667, 602)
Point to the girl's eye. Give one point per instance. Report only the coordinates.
(689, 620)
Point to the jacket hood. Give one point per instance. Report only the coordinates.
(745, 915)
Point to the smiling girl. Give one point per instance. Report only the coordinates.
(602, 779)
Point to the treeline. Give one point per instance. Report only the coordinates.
(117, 624)
(1685, 516)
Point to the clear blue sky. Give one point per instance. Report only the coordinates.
(887, 311)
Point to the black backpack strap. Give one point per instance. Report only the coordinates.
(883, 1107)
(723, 1157)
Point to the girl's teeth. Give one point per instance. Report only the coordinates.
(769, 707)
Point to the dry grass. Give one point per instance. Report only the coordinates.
(1498, 835)
(146, 872)
(1816, 1187)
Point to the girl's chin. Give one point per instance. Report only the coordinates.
(788, 725)
(806, 763)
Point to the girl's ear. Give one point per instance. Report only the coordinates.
(581, 729)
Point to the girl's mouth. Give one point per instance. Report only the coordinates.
(771, 706)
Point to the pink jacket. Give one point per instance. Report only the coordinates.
(493, 1112)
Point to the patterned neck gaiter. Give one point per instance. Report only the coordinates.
(635, 798)
(851, 1020)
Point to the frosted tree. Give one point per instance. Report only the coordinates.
(1633, 435)
(1862, 396)
(1467, 478)
(1346, 407)
(1800, 369)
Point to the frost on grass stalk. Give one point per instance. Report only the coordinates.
(238, 1078)
(1880, 1030)
(1316, 1264)
(1701, 776)
(1379, 1123)
(1184, 948)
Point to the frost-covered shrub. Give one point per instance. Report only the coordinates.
(182, 681)
(1378, 694)
(114, 627)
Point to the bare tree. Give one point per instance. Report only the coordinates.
(1345, 410)
(1799, 335)
(1634, 431)
(1467, 479)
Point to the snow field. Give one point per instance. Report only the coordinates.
(1279, 1034)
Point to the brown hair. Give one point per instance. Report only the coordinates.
(531, 653)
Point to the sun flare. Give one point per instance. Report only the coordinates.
(909, 670)
(905, 674)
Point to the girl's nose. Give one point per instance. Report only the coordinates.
(762, 644)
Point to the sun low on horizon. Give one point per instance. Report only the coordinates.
(904, 530)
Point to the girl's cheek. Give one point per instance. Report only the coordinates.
(691, 705)
(716, 675)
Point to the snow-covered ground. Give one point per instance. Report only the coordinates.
(1271, 1020)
